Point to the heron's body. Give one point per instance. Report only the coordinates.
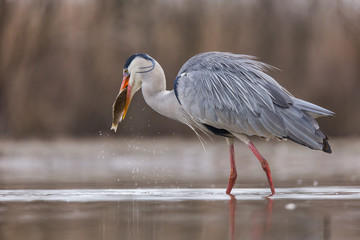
(228, 95)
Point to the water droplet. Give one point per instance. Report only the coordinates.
(290, 206)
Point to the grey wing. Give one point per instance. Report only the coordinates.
(232, 92)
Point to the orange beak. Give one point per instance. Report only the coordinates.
(124, 84)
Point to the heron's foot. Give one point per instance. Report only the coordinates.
(232, 179)
(266, 167)
(272, 194)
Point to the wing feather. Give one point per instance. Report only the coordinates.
(233, 92)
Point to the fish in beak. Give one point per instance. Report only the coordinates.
(121, 103)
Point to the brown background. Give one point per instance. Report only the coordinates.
(61, 61)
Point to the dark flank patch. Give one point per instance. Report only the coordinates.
(217, 131)
(130, 59)
(326, 146)
(176, 83)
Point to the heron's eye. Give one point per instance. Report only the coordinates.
(126, 72)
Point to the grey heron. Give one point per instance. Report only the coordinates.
(225, 94)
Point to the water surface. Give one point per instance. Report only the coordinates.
(173, 189)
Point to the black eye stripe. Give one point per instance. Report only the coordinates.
(131, 58)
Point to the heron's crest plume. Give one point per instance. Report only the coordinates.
(144, 56)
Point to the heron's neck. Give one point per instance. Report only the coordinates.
(158, 98)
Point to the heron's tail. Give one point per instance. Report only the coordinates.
(302, 128)
(305, 130)
(313, 110)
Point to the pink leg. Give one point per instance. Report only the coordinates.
(264, 165)
(233, 173)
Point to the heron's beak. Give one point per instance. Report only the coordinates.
(126, 87)
(121, 103)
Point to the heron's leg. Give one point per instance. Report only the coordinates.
(264, 165)
(233, 174)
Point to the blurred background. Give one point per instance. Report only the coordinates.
(61, 61)
(61, 68)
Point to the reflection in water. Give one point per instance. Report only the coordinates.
(260, 221)
(232, 208)
(258, 230)
(327, 227)
(137, 219)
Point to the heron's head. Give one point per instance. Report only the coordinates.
(134, 70)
